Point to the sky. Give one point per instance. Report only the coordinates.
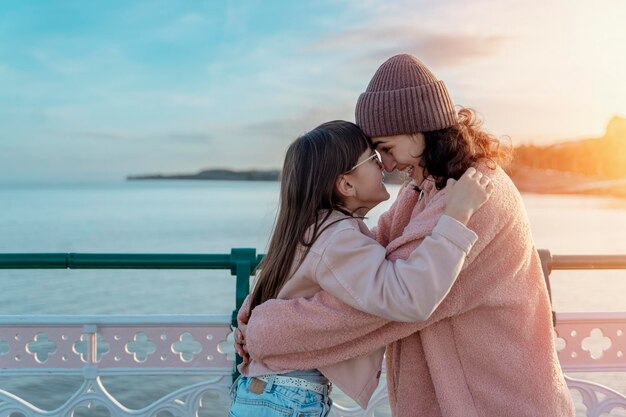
(95, 91)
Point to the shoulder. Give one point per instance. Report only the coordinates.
(505, 194)
(337, 227)
(504, 206)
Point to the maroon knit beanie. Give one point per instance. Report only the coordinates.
(404, 97)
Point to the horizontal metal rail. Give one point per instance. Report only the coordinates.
(118, 261)
(225, 261)
(569, 262)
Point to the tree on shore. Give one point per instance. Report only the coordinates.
(603, 157)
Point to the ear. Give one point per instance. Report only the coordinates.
(344, 186)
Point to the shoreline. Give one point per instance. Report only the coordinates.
(553, 182)
(526, 179)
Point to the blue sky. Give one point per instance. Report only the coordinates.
(93, 91)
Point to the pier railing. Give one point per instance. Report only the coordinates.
(96, 347)
(93, 347)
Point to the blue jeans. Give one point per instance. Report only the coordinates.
(277, 401)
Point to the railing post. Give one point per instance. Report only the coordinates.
(242, 264)
(546, 265)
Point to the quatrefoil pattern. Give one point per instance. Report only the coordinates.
(186, 347)
(228, 346)
(40, 347)
(117, 345)
(596, 343)
(141, 347)
(585, 343)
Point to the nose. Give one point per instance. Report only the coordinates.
(379, 163)
(388, 162)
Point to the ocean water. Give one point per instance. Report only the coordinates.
(215, 216)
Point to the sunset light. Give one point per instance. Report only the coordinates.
(192, 77)
(356, 208)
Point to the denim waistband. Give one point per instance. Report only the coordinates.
(311, 375)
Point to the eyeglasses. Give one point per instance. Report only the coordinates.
(372, 156)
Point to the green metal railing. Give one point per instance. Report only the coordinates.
(242, 263)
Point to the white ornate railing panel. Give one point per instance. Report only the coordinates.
(163, 348)
(593, 342)
(41, 347)
(95, 346)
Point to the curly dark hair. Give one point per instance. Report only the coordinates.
(449, 152)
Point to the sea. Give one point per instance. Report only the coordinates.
(213, 217)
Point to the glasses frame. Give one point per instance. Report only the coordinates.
(372, 156)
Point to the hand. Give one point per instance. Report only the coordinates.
(465, 196)
(243, 315)
(240, 343)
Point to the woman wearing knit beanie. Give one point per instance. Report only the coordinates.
(488, 349)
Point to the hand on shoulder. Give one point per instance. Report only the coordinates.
(465, 196)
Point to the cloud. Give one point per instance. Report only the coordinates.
(437, 49)
(291, 128)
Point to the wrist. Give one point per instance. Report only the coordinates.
(461, 217)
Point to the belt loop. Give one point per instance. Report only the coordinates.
(270, 383)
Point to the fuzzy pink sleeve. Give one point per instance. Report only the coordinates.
(496, 224)
(322, 330)
(281, 331)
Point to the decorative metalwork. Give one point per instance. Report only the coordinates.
(202, 345)
(593, 342)
(93, 399)
(72, 345)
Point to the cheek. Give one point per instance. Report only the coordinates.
(413, 155)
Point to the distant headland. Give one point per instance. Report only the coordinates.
(586, 166)
(232, 175)
(215, 174)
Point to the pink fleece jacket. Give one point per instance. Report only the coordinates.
(488, 349)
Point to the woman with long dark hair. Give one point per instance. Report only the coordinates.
(488, 348)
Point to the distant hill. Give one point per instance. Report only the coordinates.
(231, 175)
(586, 166)
(603, 157)
(215, 174)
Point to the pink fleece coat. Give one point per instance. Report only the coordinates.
(488, 349)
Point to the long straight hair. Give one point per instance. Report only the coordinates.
(308, 195)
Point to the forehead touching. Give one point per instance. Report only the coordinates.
(378, 142)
